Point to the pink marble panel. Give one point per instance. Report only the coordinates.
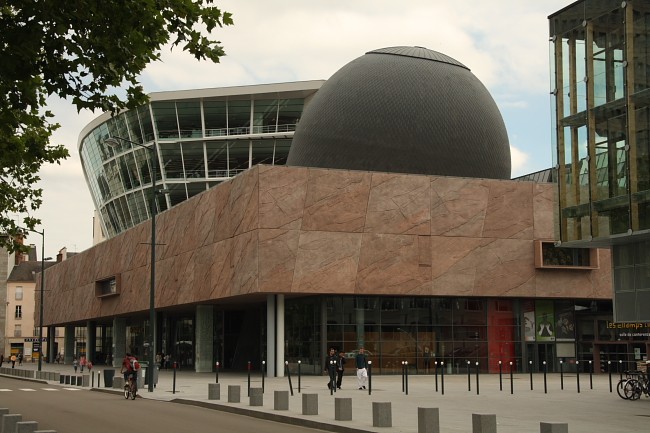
(278, 251)
(390, 264)
(244, 201)
(222, 224)
(326, 262)
(221, 270)
(399, 204)
(204, 215)
(282, 196)
(206, 261)
(510, 210)
(336, 200)
(187, 283)
(544, 210)
(244, 263)
(482, 267)
(458, 206)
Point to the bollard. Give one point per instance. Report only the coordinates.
(482, 423)
(553, 427)
(174, 379)
(436, 374)
(381, 414)
(442, 377)
(92, 380)
(500, 377)
(406, 376)
(310, 404)
(512, 386)
(578, 375)
(561, 375)
(609, 371)
(343, 409)
(217, 378)
(248, 393)
(299, 376)
(403, 388)
(9, 422)
(256, 397)
(620, 369)
(263, 369)
(26, 427)
(428, 420)
(530, 371)
(477, 378)
(234, 393)
(280, 400)
(369, 377)
(469, 382)
(286, 365)
(214, 391)
(591, 373)
(545, 389)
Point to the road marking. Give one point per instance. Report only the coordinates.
(5, 390)
(26, 389)
(72, 389)
(49, 389)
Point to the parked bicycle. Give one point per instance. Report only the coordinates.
(633, 385)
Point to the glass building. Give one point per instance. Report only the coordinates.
(601, 87)
(202, 138)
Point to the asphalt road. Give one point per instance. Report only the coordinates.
(75, 410)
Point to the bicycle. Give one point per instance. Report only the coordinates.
(634, 385)
(131, 388)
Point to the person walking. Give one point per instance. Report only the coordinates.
(75, 364)
(82, 363)
(331, 362)
(362, 365)
(340, 363)
(13, 361)
(20, 358)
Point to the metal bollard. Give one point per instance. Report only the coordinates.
(299, 376)
(609, 371)
(436, 374)
(477, 378)
(286, 364)
(591, 373)
(406, 375)
(620, 369)
(578, 375)
(369, 377)
(442, 377)
(530, 371)
(469, 382)
(217, 378)
(545, 388)
(512, 387)
(500, 377)
(263, 369)
(249, 379)
(403, 379)
(561, 375)
(174, 365)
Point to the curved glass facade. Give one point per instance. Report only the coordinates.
(202, 138)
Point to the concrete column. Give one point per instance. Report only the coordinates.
(51, 349)
(360, 323)
(428, 420)
(553, 427)
(270, 335)
(204, 331)
(91, 340)
(68, 343)
(482, 423)
(279, 335)
(119, 341)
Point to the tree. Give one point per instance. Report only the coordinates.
(91, 53)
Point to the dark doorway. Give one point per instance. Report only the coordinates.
(242, 339)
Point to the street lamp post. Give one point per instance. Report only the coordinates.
(40, 315)
(113, 142)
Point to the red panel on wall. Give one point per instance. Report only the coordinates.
(501, 334)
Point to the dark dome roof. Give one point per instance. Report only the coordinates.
(404, 110)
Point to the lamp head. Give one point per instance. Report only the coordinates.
(112, 142)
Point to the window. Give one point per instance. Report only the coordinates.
(18, 331)
(19, 312)
(19, 293)
(548, 255)
(108, 287)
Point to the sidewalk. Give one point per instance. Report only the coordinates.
(590, 411)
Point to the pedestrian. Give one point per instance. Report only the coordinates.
(13, 361)
(75, 364)
(89, 365)
(330, 367)
(20, 358)
(2, 359)
(82, 363)
(362, 364)
(167, 358)
(340, 363)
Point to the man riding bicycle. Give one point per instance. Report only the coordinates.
(130, 367)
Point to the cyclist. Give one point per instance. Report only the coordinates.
(130, 367)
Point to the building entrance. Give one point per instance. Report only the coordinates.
(243, 337)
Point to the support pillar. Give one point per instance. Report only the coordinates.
(203, 333)
(279, 335)
(360, 325)
(119, 341)
(51, 346)
(68, 343)
(91, 340)
(270, 336)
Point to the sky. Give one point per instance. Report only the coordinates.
(505, 43)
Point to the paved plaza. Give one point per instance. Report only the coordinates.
(593, 410)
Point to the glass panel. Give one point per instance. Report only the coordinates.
(145, 121)
(166, 122)
(608, 45)
(289, 114)
(217, 158)
(216, 123)
(640, 183)
(265, 115)
(238, 157)
(189, 119)
(281, 152)
(193, 160)
(262, 152)
(195, 188)
(239, 117)
(135, 131)
(172, 160)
